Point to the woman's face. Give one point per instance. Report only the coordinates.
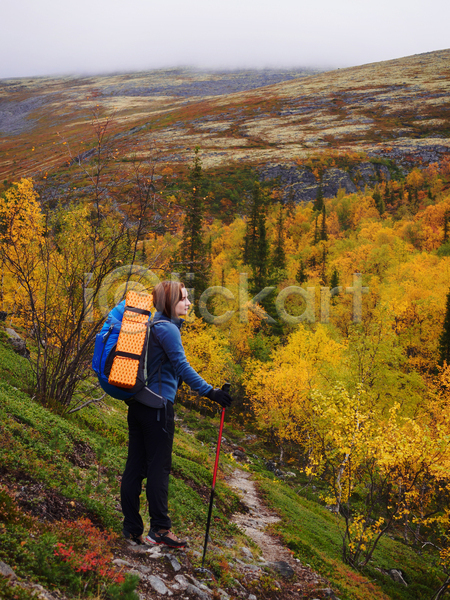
(182, 307)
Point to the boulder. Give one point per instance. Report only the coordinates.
(283, 568)
(182, 581)
(122, 563)
(18, 344)
(193, 590)
(174, 562)
(158, 584)
(239, 454)
(271, 466)
(397, 576)
(13, 335)
(6, 571)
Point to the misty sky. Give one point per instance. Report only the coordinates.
(46, 37)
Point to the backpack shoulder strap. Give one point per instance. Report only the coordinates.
(164, 358)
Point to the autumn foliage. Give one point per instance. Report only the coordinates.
(359, 404)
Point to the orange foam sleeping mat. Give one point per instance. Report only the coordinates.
(131, 340)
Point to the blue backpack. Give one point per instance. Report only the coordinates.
(105, 352)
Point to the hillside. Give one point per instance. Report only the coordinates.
(60, 520)
(47, 111)
(398, 109)
(309, 216)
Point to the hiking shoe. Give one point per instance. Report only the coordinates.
(165, 537)
(137, 539)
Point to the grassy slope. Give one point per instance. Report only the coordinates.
(70, 468)
(314, 535)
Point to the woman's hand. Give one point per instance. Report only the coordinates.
(221, 397)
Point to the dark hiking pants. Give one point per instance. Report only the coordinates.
(150, 442)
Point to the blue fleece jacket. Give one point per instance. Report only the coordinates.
(165, 342)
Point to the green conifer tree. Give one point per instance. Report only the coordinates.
(318, 202)
(261, 263)
(257, 256)
(194, 210)
(251, 233)
(387, 194)
(301, 273)
(323, 275)
(143, 256)
(444, 340)
(279, 254)
(334, 283)
(323, 229)
(193, 256)
(316, 231)
(256, 251)
(445, 240)
(378, 199)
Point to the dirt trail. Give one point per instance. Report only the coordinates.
(259, 517)
(255, 523)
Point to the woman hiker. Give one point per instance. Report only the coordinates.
(151, 430)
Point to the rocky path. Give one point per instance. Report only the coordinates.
(254, 523)
(275, 555)
(170, 573)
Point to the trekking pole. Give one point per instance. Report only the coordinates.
(225, 388)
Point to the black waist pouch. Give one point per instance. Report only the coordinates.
(153, 400)
(149, 398)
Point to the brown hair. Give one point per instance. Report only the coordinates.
(166, 296)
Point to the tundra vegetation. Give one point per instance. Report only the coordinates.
(354, 405)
